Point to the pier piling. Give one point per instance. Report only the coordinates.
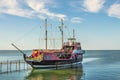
(17, 65)
(0, 67)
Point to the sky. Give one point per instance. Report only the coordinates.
(96, 23)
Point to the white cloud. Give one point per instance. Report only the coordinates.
(76, 20)
(33, 8)
(39, 6)
(114, 11)
(12, 7)
(93, 5)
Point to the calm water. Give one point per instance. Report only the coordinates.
(97, 65)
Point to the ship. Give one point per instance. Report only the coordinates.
(68, 55)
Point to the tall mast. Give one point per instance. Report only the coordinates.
(61, 30)
(46, 36)
(62, 24)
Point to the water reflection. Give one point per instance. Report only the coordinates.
(75, 73)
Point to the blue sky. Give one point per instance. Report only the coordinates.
(96, 23)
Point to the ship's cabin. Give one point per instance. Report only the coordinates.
(68, 47)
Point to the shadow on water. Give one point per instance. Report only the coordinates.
(75, 73)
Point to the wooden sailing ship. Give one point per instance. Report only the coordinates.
(70, 53)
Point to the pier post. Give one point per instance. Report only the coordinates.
(10, 66)
(0, 67)
(16, 66)
(24, 65)
(19, 65)
(7, 66)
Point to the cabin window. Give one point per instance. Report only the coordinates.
(78, 48)
(68, 48)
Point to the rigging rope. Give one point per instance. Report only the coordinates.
(24, 35)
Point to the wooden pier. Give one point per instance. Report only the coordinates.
(10, 66)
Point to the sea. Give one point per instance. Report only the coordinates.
(96, 65)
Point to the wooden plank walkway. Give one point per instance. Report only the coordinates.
(10, 66)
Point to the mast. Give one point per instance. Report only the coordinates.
(72, 39)
(73, 33)
(46, 36)
(74, 36)
(61, 30)
(62, 24)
